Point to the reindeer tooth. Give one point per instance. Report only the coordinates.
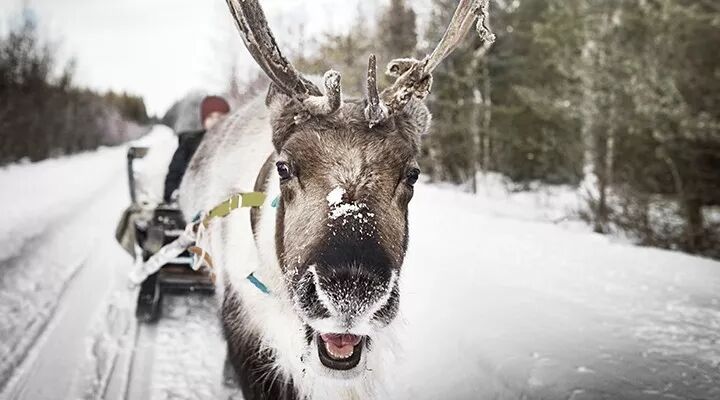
(339, 353)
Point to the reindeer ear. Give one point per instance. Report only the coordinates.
(283, 113)
(418, 117)
(413, 122)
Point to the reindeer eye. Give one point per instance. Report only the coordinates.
(412, 176)
(283, 170)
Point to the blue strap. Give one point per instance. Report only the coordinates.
(252, 278)
(255, 281)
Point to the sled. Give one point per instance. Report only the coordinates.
(143, 230)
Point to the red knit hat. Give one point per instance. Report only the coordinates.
(211, 104)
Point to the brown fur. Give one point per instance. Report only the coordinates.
(340, 150)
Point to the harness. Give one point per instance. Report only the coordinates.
(194, 233)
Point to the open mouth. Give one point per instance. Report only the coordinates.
(340, 351)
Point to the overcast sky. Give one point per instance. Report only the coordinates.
(161, 49)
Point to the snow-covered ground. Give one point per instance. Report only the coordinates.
(502, 298)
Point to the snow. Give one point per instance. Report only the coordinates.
(59, 216)
(335, 196)
(345, 209)
(505, 295)
(36, 196)
(498, 196)
(340, 209)
(189, 351)
(518, 306)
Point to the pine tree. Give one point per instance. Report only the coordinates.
(643, 96)
(396, 34)
(449, 151)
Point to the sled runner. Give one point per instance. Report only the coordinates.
(143, 231)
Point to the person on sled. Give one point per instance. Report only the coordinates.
(212, 109)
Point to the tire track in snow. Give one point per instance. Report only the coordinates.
(37, 283)
(34, 331)
(140, 372)
(181, 357)
(19, 335)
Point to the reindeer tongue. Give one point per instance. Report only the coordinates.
(340, 346)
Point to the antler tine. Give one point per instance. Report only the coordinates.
(375, 110)
(415, 77)
(459, 26)
(261, 44)
(331, 102)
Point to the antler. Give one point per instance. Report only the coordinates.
(462, 20)
(375, 111)
(261, 44)
(414, 78)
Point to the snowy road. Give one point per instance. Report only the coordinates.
(498, 303)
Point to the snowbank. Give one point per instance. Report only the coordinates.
(496, 196)
(499, 306)
(36, 196)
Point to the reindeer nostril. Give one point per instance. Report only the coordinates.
(308, 299)
(389, 310)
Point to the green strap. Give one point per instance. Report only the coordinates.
(250, 199)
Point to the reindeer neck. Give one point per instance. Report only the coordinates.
(261, 185)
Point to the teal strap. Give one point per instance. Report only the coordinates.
(252, 278)
(255, 281)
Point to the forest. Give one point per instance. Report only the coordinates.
(43, 113)
(619, 99)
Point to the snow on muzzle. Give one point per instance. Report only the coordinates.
(348, 299)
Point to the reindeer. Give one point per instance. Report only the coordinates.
(309, 305)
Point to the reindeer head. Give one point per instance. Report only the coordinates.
(346, 170)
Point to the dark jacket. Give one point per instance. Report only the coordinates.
(188, 143)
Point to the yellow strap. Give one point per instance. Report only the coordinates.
(253, 199)
(250, 199)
